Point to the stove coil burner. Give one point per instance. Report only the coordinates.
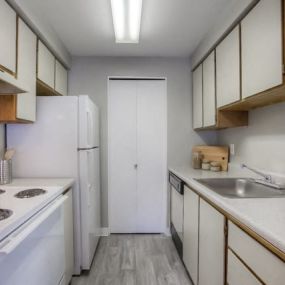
(2, 191)
(5, 214)
(29, 193)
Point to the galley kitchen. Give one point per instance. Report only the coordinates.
(142, 142)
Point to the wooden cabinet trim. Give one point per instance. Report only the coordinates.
(262, 241)
(8, 110)
(45, 90)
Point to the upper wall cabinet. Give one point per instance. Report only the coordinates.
(27, 63)
(8, 52)
(228, 69)
(22, 107)
(205, 113)
(60, 78)
(8, 35)
(249, 68)
(209, 91)
(51, 75)
(46, 65)
(261, 42)
(198, 98)
(262, 56)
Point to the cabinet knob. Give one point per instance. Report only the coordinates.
(135, 166)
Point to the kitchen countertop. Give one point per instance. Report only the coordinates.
(264, 216)
(25, 208)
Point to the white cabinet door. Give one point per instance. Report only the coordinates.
(197, 97)
(8, 36)
(27, 58)
(191, 233)
(68, 237)
(261, 34)
(209, 91)
(60, 78)
(238, 274)
(211, 246)
(122, 153)
(228, 69)
(267, 266)
(151, 156)
(46, 65)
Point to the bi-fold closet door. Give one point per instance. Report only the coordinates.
(137, 138)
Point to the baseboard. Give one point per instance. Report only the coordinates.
(105, 232)
(167, 232)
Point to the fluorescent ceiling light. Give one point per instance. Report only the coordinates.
(127, 20)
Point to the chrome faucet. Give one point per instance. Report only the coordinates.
(267, 177)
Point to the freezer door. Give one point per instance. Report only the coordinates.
(88, 123)
(90, 204)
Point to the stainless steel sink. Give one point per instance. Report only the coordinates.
(240, 188)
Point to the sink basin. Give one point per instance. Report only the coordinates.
(240, 188)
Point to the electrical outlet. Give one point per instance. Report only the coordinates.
(232, 149)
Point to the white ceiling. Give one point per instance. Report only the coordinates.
(169, 27)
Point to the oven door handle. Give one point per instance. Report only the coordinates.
(12, 241)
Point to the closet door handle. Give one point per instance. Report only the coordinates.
(135, 166)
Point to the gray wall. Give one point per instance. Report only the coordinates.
(89, 76)
(262, 143)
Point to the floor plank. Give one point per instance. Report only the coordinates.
(135, 260)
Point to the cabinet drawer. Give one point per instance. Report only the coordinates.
(238, 273)
(269, 268)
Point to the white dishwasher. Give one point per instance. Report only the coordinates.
(34, 253)
(176, 211)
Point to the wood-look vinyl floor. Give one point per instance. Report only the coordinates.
(135, 260)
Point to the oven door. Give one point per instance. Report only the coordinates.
(176, 212)
(34, 253)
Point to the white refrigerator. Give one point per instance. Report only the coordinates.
(64, 142)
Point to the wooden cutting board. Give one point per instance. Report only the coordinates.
(215, 153)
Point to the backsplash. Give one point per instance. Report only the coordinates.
(262, 143)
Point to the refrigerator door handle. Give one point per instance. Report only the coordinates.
(89, 127)
(89, 190)
(89, 185)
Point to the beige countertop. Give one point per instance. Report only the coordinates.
(264, 216)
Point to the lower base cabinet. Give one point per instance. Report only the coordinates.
(217, 252)
(203, 241)
(211, 246)
(263, 264)
(238, 273)
(191, 233)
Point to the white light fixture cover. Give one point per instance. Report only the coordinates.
(127, 20)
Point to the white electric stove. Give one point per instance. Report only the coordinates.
(32, 232)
